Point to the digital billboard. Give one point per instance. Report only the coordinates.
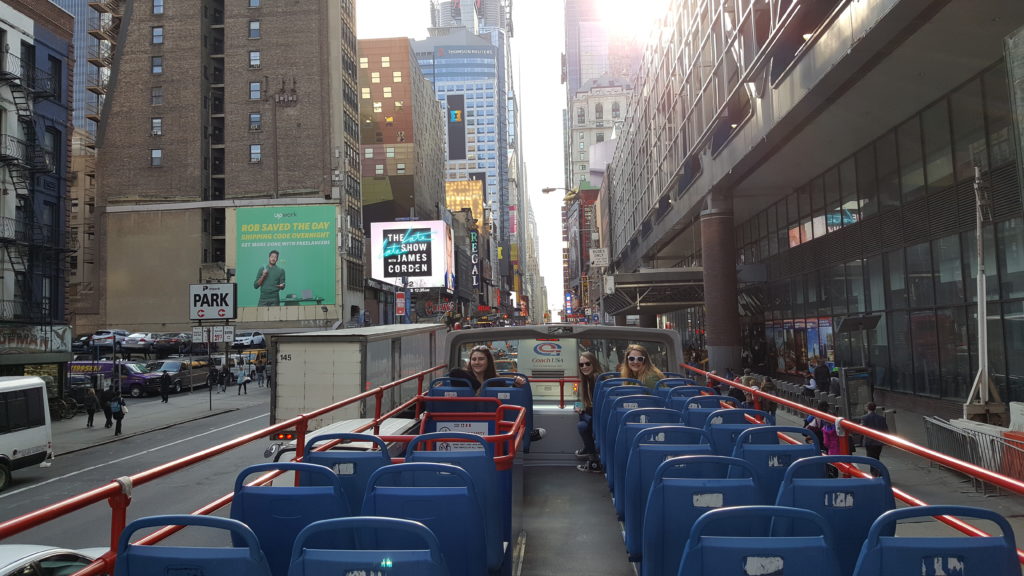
(456, 127)
(286, 255)
(421, 252)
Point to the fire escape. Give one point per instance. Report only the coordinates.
(31, 247)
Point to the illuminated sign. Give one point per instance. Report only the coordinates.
(456, 103)
(474, 257)
(420, 250)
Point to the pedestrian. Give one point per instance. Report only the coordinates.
(118, 409)
(589, 368)
(92, 404)
(105, 397)
(261, 369)
(165, 386)
(821, 376)
(768, 387)
(212, 378)
(875, 421)
(243, 382)
(225, 375)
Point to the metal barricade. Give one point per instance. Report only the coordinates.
(989, 451)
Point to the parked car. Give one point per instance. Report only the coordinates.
(19, 559)
(80, 345)
(185, 373)
(249, 339)
(173, 343)
(109, 338)
(140, 342)
(133, 376)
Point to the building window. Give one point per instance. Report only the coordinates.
(599, 111)
(364, 62)
(379, 170)
(375, 77)
(399, 104)
(254, 58)
(158, 6)
(368, 152)
(365, 93)
(254, 29)
(615, 110)
(396, 76)
(387, 91)
(156, 157)
(255, 91)
(254, 3)
(156, 126)
(599, 137)
(255, 153)
(389, 152)
(158, 35)
(400, 169)
(255, 121)
(157, 64)
(156, 95)
(378, 107)
(385, 61)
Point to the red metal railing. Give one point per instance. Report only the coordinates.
(118, 492)
(846, 427)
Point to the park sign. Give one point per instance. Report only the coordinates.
(212, 301)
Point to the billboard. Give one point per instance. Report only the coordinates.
(421, 252)
(456, 126)
(286, 255)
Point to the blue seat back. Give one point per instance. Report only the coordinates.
(352, 467)
(448, 387)
(884, 554)
(277, 514)
(684, 489)
(771, 456)
(443, 498)
(710, 552)
(665, 385)
(601, 416)
(649, 448)
(696, 409)
(633, 422)
(245, 557)
(418, 552)
(476, 456)
(674, 375)
(676, 396)
(849, 505)
(504, 389)
(724, 426)
(601, 388)
(617, 408)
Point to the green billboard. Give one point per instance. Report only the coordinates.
(286, 255)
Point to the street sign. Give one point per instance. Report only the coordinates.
(400, 304)
(609, 284)
(200, 334)
(599, 257)
(220, 334)
(212, 301)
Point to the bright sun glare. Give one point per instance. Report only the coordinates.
(630, 18)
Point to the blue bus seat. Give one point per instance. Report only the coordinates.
(478, 461)
(676, 396)
(618, 406)
(352, 467)
(849, 505)
(674, 375)
(245, 557)
(771, 456)
(665, 385)
(633, 422)
(885, 554)
(649, 448)
(710, 552)
(724, 426)
(372, 552)
(684, 489)
(601, 416)
(448, 387)
(601, 388)
(696, 409)
(443, 498)
(504, 389)
(276, 514)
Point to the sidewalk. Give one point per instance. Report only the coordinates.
(149, 414)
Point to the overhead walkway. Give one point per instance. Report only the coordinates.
(655, 291)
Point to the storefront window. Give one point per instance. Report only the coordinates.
(949, 280)
(954, 354)
(1013, 324)
(911, 167)
(867, 183)
(1011, 257)
(888, 172)
(878, 347)
(837, 288)
(938, 151)
(899, 349)
(897, 294)
(925, 345)
(876, 283)
(855, 286)
(998, 117)
(968, 130)
(919, 274)
(996, 350)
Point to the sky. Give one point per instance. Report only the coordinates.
(537, 46)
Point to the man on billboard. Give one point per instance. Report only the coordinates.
(270, 281)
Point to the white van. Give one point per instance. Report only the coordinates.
(236, 363)
(25, 435)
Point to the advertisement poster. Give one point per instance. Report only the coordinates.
(418, 254)
(286, 255)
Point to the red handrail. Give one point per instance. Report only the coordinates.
(846, 426)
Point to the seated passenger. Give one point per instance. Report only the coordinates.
(590, 367)
(638, 366)
(480, 368)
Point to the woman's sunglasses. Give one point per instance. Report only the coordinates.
(635, 358)
(582, 364)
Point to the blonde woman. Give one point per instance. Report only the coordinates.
(638, 366)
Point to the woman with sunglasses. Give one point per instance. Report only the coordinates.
(638, 366)
(589, 369)
(479, 369)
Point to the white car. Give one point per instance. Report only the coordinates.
(21, 559)
(111, 338)
(140, 341)
(249, 339)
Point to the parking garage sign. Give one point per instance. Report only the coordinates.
(212, 301)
